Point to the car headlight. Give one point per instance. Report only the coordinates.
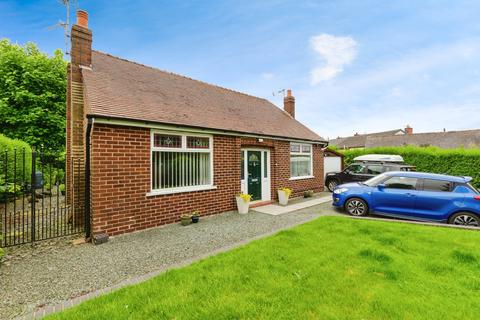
(341, 190)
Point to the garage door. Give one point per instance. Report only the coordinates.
(332, 164)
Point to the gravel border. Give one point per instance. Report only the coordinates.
(53, 272)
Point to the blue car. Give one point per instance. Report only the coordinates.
(412, 195)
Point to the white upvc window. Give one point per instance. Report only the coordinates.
(181, 162)
(301, 164)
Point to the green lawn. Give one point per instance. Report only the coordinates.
(331, 268)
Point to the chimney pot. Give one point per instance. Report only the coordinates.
(82, 18)
(289, 103)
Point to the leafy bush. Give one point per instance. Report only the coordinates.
(457, 162)
(15, 153)
(33, 95)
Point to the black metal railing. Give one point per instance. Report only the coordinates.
(33, 200)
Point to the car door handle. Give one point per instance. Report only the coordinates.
(410, 194)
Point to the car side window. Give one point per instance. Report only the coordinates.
(401, 183)
(437, 185)
(355, 168)
(375, 169)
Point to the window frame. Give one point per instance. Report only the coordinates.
(183, 148)
(301, 153)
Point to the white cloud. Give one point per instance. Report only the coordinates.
(430, 88)
(267, 76)
(334, 53)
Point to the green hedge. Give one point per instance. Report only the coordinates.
(14, 153)
(457, 162)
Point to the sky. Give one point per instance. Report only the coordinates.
(353, 65)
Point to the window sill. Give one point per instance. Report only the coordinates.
(180, 190)
(302, 178)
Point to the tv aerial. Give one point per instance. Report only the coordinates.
(276, 93)
(65, 24)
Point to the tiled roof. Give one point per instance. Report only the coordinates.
(359, 141)
(446, 140)
(117, 88)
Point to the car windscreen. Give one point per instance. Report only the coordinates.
(375, 180)
(472, 187)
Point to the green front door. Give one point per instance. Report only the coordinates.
(254, 166)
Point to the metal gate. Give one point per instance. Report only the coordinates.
(34, 201)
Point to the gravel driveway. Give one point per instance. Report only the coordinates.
(54, 271)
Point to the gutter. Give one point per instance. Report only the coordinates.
(169, 126)
(90, 123)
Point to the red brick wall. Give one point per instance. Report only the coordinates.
(120, 180)
(280, 167)
(120, 159)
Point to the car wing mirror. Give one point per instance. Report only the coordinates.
(381, 186)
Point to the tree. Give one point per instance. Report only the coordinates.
(32, 95)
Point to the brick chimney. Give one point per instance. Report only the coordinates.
(289, 103)
(81, 51)
(408, 129)
(80, 57)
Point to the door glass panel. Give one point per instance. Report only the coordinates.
(375, 169)
(253, 157)
(265, 171)
(254, 174)
(406, 183)
(356, 168)
(242, 165)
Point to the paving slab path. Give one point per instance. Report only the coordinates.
(53, 272)
(276, 209)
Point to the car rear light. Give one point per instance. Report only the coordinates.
(476, 197)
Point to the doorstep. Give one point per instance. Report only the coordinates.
(260, 203)
(276, 209)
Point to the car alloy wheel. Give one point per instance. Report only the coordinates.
(332, 184)
(356, 207)
(465, 219)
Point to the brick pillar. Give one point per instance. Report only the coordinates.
(81, 56)
(289, 103)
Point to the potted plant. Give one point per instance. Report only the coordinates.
(195, 216)
(185, 219)
(283, 195)
(308, 194)
(243, 202)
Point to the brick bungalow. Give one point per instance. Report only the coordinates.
(157, 144)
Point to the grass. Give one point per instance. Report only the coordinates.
(330, 268)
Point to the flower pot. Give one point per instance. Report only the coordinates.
(282, 197)
(186, 221)
(242, 205)
(195, 219)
